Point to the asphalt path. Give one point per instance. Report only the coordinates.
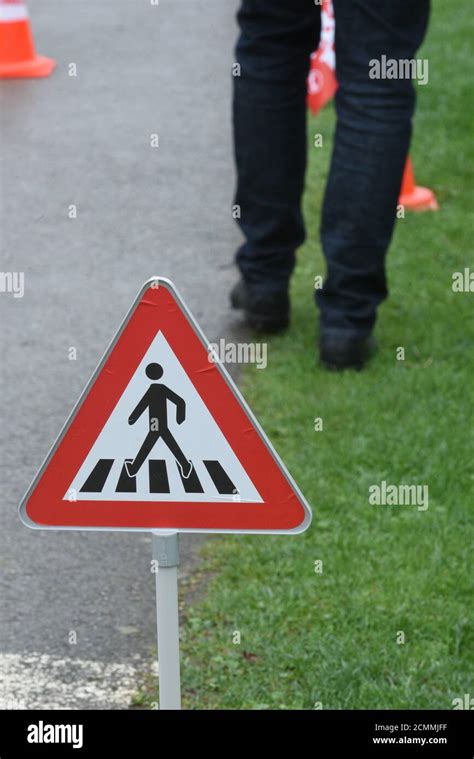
(77, 624)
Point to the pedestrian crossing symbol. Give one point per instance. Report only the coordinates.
(162, 439)
(147, 449)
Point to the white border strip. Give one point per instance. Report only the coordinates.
(13, 12)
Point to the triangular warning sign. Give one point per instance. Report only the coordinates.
(162, 439)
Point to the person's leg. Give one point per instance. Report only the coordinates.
(273, 51)
(374, 119)
(183, 462)
(134, 466)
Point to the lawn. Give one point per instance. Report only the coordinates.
(387, 622)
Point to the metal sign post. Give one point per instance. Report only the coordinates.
(166, 553)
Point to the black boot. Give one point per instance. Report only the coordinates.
(264, 311)
(342, 352)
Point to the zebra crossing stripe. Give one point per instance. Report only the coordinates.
(223, 483)
(159, 482)
(97, 478)
(158, 478)
(192, 483)
(126, 484)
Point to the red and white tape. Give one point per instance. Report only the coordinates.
(328, 33)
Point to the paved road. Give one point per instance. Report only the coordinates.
(85, 141)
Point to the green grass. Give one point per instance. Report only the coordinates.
(332, 637)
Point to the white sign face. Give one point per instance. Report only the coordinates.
(187, 460)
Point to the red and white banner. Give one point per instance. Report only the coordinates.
(322, 83)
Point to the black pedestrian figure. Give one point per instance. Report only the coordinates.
(155, 400)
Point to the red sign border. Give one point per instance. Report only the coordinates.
(284, 509)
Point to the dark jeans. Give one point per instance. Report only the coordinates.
(374, 118)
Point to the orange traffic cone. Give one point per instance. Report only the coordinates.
(413, 197)
(17, 51)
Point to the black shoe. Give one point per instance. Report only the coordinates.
(339, 352)
(264, 312)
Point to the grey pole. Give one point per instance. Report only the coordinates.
(166, 553)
